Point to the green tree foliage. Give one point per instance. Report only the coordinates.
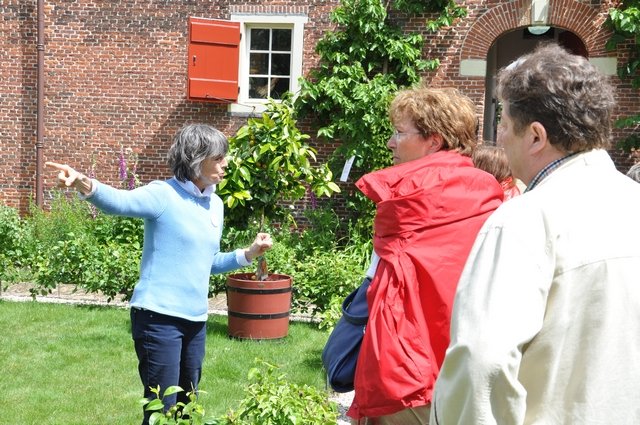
(625, 23)
(12, 235)
(363, 63)
(270, 162)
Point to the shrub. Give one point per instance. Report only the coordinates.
(114, 265)
(61, 262)
(112, 269)
(58, 241)
(322, 276)
(74, 245)
(11, 244)
(323, 265)
(271, 400)
(102, 253)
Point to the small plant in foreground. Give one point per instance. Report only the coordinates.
(191, 413)
(271, 400)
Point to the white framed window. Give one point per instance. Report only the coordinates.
(270, 60)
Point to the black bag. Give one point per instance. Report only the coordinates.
(340, 353)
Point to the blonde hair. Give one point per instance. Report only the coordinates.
(446, 112)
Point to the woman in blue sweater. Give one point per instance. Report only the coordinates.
(183, 220)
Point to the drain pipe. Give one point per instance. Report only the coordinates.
(40, 106)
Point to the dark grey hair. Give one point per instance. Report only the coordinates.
(634, 172)
(192, 144)
(564, 92)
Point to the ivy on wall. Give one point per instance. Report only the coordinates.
(625, 23)
(363, 63)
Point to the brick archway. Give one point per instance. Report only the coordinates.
(583, 20)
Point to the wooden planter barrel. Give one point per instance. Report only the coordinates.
(258, 309)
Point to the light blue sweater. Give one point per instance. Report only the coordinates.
(181, 249)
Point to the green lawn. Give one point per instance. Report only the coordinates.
(75, 365)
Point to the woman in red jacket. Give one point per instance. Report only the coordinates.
(429, 208)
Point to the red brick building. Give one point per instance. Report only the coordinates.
(116, 73)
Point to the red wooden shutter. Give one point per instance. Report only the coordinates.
(214, 47)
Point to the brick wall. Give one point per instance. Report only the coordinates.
(116, 75)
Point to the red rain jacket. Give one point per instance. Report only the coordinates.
(429, 212)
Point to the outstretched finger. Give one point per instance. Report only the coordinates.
(62, 167)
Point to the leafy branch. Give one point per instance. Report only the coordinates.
(270, 162)
(625, 23)
(363, 63)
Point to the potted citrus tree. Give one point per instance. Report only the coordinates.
(270, 164)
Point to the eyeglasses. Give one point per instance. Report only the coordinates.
(400, 134)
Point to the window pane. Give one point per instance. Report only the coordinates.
(259, 39)
(280, 64)
(259, 63)
(279, 87)
(281, 40)
(258, 88)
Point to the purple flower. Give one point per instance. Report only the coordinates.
(312, 197)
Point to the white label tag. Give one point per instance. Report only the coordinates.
(346, 169)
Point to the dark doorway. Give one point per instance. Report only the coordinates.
(505, 50)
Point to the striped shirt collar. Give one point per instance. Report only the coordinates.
(548, 169)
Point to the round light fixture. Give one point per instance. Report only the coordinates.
(538, 29)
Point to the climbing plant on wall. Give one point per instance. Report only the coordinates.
(363, 62)
(625, 23)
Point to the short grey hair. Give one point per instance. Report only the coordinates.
(192, 144)
(564, 92)
(634, 172)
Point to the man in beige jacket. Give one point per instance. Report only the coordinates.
(546, 319)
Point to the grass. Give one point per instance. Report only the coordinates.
(75, 365)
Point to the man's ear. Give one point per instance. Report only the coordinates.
(537, 136)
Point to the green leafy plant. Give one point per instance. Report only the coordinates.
(190, 413)
(624, 20)
(12, 238)
(323, 263)
(364, 61)
(111, 269)
(449, 13)
(118, 247)
(270, 162)
(271, 400)
(61, 262)
(58, 239)
(72, 244)
(323, 276)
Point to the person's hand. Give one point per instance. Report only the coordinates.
(68, 177)
(260, 245)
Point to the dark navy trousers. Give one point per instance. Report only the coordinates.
(170, 352)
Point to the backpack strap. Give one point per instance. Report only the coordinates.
(354, 307)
